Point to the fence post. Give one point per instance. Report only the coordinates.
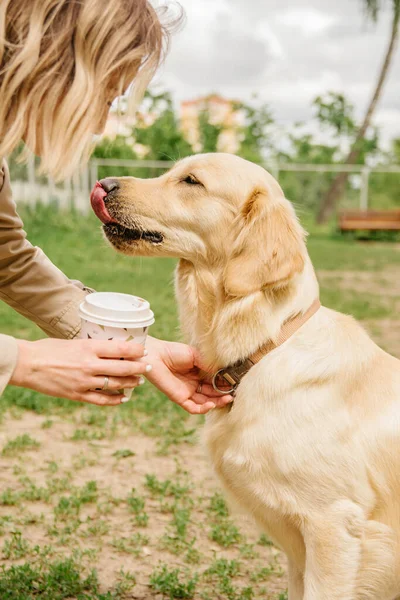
(274, 169)
(94, 173)
(31, 170)
(67, 189)
(86, 184)
(52, 189)
(364, 189)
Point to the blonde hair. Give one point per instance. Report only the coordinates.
(58, 61)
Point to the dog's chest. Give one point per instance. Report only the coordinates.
(250, 474)
(268, 449)
(251, 461)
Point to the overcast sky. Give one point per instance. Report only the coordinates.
(286, 52)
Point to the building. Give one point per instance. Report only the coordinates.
(118, 124)
(221, 111)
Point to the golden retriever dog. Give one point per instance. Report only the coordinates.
(311, 445)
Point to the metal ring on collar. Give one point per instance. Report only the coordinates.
(215, 385)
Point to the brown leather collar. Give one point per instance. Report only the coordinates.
(233, 375)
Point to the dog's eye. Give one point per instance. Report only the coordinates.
(191, 180)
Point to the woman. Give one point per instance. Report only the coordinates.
(62, 63)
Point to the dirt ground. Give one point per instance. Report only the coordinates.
(85, 461)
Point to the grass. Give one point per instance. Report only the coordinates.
(16, 547)
(136, 505)
(69, 507)
(173, 583)
(331, 253)
(9, 497)
(360, 305)
(60, 580)
(123, 454)
(225, 533)
(21, 443)
(218, 505)
(131, 545)
(221, 574)
(93, 500)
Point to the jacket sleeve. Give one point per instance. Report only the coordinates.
(30, 283)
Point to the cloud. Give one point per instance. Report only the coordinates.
(228, 57)
(310, 20)
(287, 54)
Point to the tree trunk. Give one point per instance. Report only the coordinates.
(338, 185)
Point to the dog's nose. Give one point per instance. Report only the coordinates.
(109, 185)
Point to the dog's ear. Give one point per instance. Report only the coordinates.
(268, 248)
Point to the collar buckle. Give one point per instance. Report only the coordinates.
(222, 378)
(231, 376)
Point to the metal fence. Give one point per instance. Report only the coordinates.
(304, 184)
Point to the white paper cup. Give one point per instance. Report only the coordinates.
(113, 316)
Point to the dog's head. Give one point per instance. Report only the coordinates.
(217, 209)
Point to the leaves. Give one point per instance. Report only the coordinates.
(335, 111)
(374, 7)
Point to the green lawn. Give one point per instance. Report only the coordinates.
(112, 504)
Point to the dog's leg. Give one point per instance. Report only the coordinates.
(333, 551)
(296, 582)
(378, 576)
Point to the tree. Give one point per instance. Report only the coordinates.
(255, 136)
(163, 137)
(208, 132)
(396, 151)
(335, 191)
(335, 112)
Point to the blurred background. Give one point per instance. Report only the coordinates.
(121, 504)
(309, 89)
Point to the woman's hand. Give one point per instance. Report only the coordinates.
(72, 369)
(176, 372)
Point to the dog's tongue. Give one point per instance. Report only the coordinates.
(97, 201)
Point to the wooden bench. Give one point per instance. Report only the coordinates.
(370, 220)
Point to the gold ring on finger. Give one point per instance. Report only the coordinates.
(106, 382)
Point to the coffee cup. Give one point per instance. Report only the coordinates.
(114, 316)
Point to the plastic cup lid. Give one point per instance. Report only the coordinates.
(116, 310)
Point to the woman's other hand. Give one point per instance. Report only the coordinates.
(74, 369)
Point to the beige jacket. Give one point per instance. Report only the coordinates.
(30, 283)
